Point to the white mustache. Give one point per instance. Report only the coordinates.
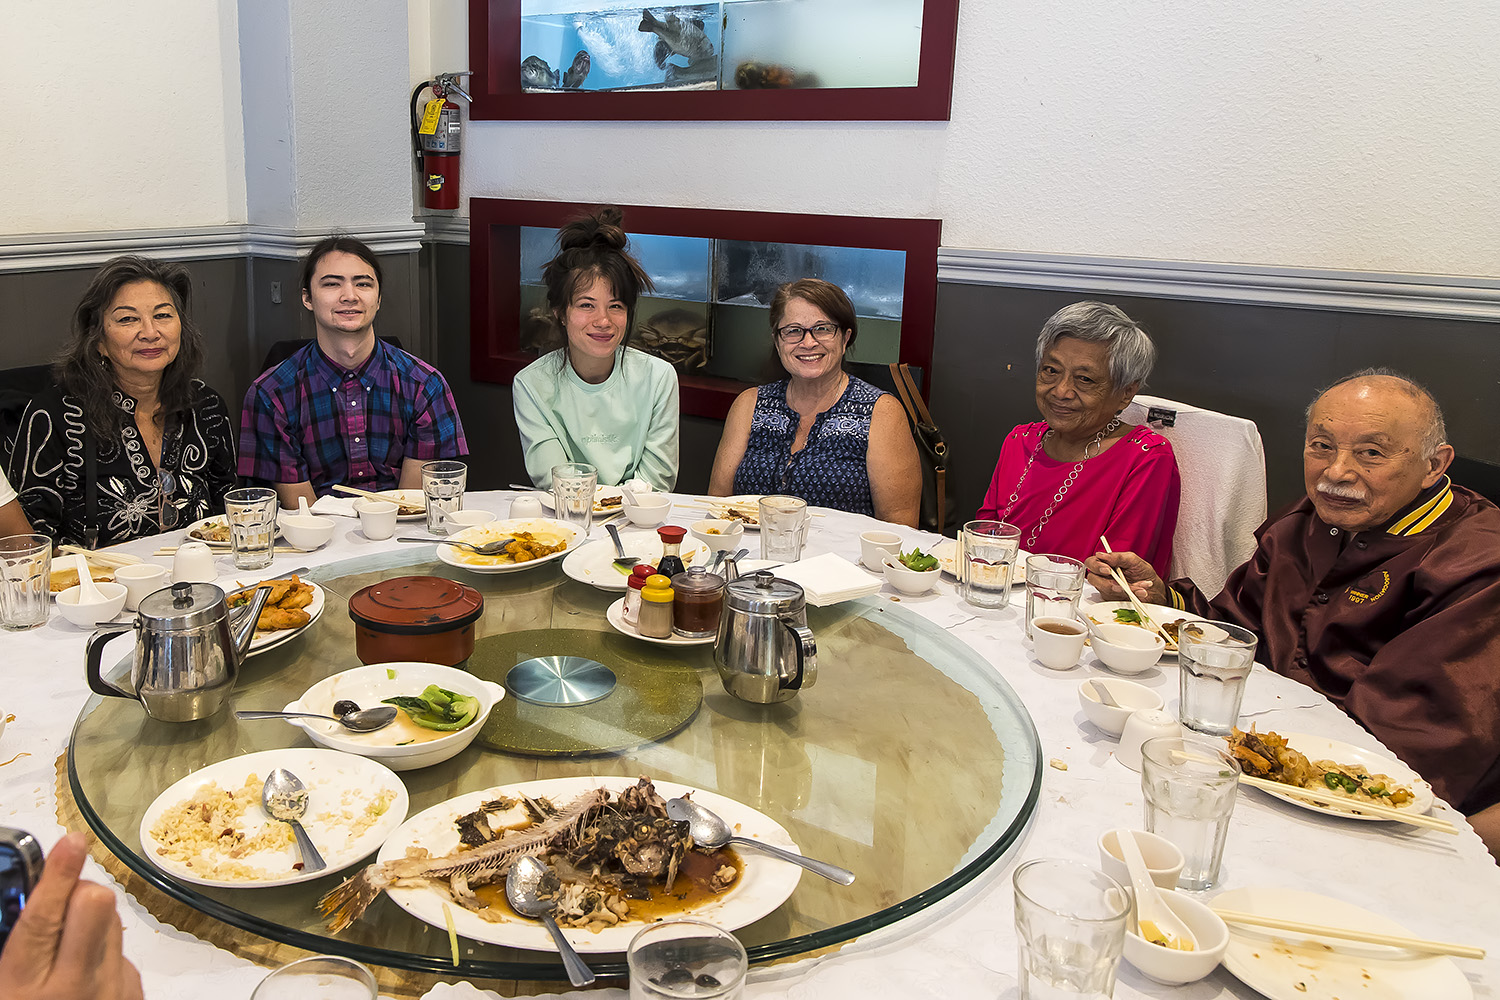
(1346, 492)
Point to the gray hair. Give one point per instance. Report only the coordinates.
(1434, 435)
(1131, 353)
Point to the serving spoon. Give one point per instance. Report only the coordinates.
(522, 891)
(709, 830)
(364, 720)
(494, 548)
(622, 560)
(285, 798)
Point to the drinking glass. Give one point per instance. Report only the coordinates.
(251, 513)
(783, 528)
(1190, 786)
(685, 958)
(1216, 658)
(987, 550)
(573, 489)
(443, 486)
(326, 977)
(25, 581)
(1053, 586)
(1070, 927)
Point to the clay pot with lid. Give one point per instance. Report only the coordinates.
(429, 619)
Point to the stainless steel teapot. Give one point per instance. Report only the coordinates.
(764, 650)
(188, 650)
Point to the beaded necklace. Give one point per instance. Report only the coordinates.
(1062, 490)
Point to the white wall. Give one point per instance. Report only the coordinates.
(120, 115)
(1285, 132)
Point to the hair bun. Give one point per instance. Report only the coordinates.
(603, 229)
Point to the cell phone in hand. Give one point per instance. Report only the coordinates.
(20, 868)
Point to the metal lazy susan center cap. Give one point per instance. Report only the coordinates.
(560, 681)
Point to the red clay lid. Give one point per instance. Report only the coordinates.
(416, 605)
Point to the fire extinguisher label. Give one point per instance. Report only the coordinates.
(430, 115)
(435, 182)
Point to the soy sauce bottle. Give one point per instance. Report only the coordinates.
(670, 563)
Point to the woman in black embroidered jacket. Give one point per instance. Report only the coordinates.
(128, 402)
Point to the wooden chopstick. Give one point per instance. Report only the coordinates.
(1352, 934)
(220, 548)
(1135, 602)
(112, 559)
(1367, 808)
(341, 488)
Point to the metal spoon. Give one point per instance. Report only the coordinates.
(366, 720)
(621, 559)
(709, 830)
(285, 798)
(494, 548)
(522, 890)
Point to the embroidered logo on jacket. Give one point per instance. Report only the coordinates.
(1357, 596)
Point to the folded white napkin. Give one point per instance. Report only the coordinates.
(342, 506)
(829, 579)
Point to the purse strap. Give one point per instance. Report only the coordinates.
(90, 492)
(927, 435)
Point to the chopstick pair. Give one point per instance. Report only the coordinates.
(221, 548)
(1135, 602)
(112, 559)
(1351, 934)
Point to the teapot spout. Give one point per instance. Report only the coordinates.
(245, 630)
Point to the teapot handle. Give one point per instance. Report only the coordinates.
(97, 683)
(807, 653)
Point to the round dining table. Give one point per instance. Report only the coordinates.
(933, 756)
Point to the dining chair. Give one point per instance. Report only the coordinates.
(1223, 469)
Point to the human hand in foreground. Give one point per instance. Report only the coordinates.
(66, 944)
(1137, 572)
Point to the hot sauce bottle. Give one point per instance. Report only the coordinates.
(632, 610)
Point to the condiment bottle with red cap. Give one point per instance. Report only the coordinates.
(670, 563)
(655, 619)
(638, 575)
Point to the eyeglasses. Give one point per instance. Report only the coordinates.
(167, 515)
(822, 332)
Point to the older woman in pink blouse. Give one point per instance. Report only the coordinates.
(1081, 472)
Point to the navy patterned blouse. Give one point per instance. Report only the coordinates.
(830, 470)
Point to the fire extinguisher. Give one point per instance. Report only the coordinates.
(437, 138)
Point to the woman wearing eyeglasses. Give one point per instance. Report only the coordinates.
(128, 441)
(820, 434)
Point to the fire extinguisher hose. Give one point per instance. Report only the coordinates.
(416, 121)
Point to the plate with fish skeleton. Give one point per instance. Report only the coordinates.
(762, 885)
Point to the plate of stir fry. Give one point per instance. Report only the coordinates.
(538, 540)
(1304, 761)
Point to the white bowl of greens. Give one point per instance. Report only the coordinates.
(912, 573)
(442, 710)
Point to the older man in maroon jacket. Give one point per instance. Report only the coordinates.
(1381, 588)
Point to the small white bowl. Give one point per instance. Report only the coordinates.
(1172, 967)
(461, 519)
(1132, 698)
(1163, 860)
(649, 511)
(1126, 649)
(719, 534)
(368, 686)
(909, 581)
(306, 531)
(88, 615)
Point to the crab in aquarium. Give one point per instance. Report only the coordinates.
(678, 336)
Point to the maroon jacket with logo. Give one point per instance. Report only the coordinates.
(1398, 625)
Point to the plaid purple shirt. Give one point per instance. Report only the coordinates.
(309, 420)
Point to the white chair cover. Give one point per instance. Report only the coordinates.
(1223, 468)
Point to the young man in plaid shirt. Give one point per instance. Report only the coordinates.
(347, 408)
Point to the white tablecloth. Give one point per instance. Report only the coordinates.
(1438, 885)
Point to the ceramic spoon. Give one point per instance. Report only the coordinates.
(709, 830)
(87, 592)
(521, 891)
(1156, 921)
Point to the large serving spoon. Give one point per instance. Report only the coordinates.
(709, 830)
(522, 891)
(1155, 920)
(285, 798)
(364, 720)
(622, 560)
(494, 548)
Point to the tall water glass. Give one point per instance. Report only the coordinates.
(783, 528)
(1070, 926)
(25, 581)
(327, 977)
(1053, 586)
(443, 486)
(1190, 786)
(986, 553)
(685, 958)
(1216, 659)
(251, 513)
(573, 487)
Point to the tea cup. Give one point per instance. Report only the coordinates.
(1058, 642)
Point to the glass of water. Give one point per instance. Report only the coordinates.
(573, 487)
(783, 528)
(1070, 927)
(1053, 586)
(1216, 659)
(443, 485)
(986, 553)
(686, 958)
(1190, 786)
(25, 581)
(326, 977)
(251, 513)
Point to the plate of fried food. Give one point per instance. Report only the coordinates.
(1303, 761)
(411, 505)
(211, 531)
(607, 499)
(946, 553)
(538, 540)
(292, 606)
(64, 577)
(621, 863)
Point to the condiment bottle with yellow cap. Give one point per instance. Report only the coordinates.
(655, 620)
